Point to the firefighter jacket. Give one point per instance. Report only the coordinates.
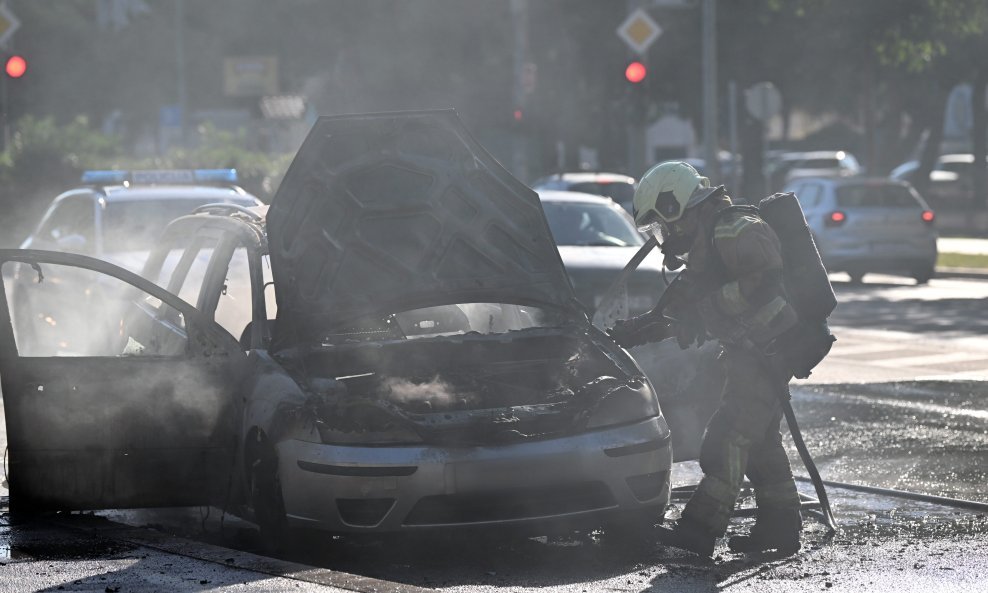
(736, 258)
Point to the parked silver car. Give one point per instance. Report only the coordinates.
(596, 238)
(428, 365)
(615, 186)
(865, 225)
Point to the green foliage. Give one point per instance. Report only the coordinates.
(259, 172)
(45, 155)
(41, 150)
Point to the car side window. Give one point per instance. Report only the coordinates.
(71, 224)
(234, 307)
(190, 274)
(60, 310)
(810, 195)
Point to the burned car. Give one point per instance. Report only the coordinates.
(393, 345)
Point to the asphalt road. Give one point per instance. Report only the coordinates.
(901, 403)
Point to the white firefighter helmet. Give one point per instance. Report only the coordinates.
(666, 191)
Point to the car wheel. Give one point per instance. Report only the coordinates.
(633, 528)
(923, 276)
(23, 508)
(266, 500)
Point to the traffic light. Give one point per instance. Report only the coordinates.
(635, 72)
(16, 66)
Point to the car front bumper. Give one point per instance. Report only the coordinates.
(578, 478)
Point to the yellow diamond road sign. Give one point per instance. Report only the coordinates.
(8, 24)
(639, 31)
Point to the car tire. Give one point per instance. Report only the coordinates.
(633, 528)
(923, 276)
(22, 507)
(267, 504)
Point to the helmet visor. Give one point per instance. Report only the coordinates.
(649, 220)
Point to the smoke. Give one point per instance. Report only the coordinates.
(435, 393)
(108, 364)
(498, 317)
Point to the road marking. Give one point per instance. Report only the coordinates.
(927, 360)
(979, 375)
(863, 348)
(912, 405)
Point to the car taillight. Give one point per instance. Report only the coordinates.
(928, 216)
(835, 218)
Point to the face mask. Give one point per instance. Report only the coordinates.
(678, 236)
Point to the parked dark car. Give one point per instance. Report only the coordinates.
(951, 183)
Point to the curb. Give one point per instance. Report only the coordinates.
(973, 273)
(95, 526)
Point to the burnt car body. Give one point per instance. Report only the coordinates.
(427, 366)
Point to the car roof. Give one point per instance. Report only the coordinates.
(852, 181)
(558, 195)
(813, 154)
(158, 192)
(590, 176)
(956, 158)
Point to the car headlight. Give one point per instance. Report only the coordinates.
(629, 402)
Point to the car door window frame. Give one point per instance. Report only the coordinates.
(229, 235)
(197, 326)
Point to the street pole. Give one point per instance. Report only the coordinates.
(6, 111)
(709, 68)
(519, 17)
(734, 183)
(180, 59)
(638, 161)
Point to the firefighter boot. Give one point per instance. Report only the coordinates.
(774, 530)
(688, 535)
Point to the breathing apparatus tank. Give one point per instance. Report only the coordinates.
(806, 283)
(805, 276)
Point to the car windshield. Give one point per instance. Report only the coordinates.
(589, 224)
(876, 196)
(446, 320)
(620, 192)
(134, 225)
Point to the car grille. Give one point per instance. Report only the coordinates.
(648, 486)
(363, 512)
(509, 505)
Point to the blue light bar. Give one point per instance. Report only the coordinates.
(216, 175)
(161, 177)
(106, 177)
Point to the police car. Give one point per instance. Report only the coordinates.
(117, 215)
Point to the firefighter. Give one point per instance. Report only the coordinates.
(731, 290)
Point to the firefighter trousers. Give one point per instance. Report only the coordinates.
(742, 439)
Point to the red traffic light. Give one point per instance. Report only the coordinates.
(16, 66)
(635, 72)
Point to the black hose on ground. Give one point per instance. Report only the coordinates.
(942, 500)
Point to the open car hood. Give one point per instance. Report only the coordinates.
(383, 213)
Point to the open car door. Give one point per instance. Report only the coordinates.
(117, 394)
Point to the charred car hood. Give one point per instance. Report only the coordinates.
(383, 213)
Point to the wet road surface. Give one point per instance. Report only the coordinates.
(927, 437)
